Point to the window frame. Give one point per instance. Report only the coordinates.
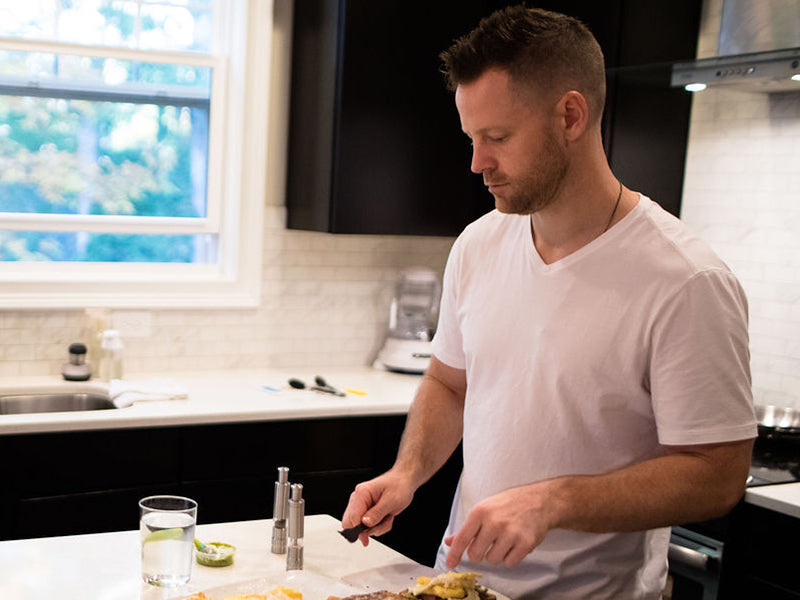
(236, 189)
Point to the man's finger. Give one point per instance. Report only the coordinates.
(460, 541)
(356, 507)
(483, 540)
(515, 556)
(498, 551)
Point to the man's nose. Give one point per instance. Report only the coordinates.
(481, 159)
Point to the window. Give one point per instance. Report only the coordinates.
(122, 179)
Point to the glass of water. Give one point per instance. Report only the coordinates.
(166, 528)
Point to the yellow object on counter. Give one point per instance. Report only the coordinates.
(356, 392)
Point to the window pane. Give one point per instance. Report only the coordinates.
(68, 72)
(106, 247)
(106, 158)
(142, 24)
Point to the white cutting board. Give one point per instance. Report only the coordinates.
(312, 585)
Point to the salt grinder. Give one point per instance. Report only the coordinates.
(297, 513)
(279, 509)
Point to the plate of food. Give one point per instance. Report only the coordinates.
(441, 586)
(306, 585)
(415, 582)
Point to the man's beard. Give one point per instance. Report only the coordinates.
(540, 186)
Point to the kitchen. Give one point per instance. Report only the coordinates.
(324, 298)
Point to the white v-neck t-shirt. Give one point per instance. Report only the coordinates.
(589, 364)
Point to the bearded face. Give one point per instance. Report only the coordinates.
(535, 185)
(515, 147)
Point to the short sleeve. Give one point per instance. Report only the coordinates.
(447, 343)
(700, 363)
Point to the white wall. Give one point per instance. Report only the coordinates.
(742, 195)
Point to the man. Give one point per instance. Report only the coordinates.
(592, 354)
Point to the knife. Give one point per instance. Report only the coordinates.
(351, 533)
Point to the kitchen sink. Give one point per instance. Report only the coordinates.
(45, 402)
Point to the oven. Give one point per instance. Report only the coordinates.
(695, 565)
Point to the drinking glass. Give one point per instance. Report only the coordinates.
(166, 528)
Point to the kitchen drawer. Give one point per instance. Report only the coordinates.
(92, 512)
(234, 499)
(302, 445)
(52, 464)
(756, 588)
(246, 498)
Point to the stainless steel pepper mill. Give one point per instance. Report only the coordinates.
(279, 509)
(297, 513)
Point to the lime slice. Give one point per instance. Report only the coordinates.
(173, 533)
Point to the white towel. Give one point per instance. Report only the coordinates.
(124, 393)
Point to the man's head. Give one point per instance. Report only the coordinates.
(543, 52)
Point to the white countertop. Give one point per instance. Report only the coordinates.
(236, 396)
(107, 566)
(226, 397)
(783, 498)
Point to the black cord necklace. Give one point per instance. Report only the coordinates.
(613, 212)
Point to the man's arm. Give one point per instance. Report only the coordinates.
(690, 483)
(432, 432)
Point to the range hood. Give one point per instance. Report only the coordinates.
(758, 50)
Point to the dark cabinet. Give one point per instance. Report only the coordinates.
(375, 144)
(762, 552)
(87, 482)
(77, 482)
(646, 122)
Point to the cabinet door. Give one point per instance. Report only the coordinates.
(72, 514)
(646, 121)
(375, 144)
(51, 464)
(82, 482)
(375, 141)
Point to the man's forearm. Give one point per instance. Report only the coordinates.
(433, 429)
(689, 484)
(681, 487)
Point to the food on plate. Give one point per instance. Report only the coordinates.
(381, 595)
(445, 586)
(451, 585)
(279, 592)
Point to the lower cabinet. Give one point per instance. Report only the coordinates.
(90, 481)
(764, 553)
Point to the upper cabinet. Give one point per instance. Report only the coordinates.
(375, 143)
(646, 122)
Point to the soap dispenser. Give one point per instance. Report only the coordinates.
(77, 369)
(110, 355)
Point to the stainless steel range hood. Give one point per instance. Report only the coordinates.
(758, 51)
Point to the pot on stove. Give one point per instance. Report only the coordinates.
(776, 422)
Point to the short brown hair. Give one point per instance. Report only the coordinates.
(543, 49)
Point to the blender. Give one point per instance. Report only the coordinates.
(412, 321)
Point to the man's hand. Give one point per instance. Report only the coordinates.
(503, 528)
(376, 502)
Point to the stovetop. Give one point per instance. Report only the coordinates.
(775, 461)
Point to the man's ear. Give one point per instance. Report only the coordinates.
(573, 111)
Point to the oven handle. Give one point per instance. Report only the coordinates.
(689, 557)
